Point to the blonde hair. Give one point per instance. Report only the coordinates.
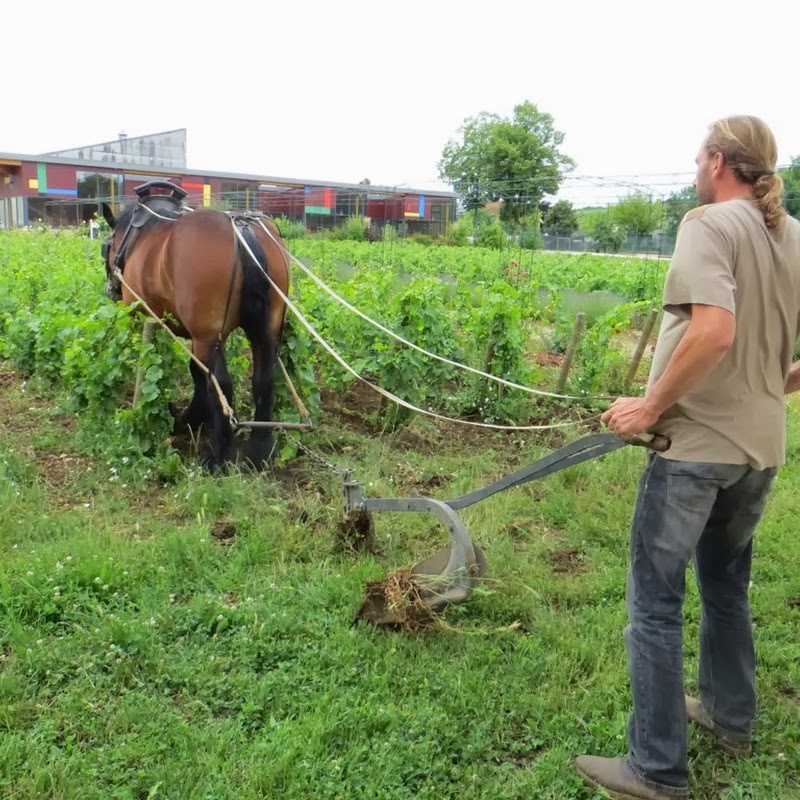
(749, 150)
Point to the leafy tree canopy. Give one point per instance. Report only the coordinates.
(561, 219)
(515, 160)
(676, 206)
(638, 214)
(791, 185)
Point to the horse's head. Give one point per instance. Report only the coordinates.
(109, 251)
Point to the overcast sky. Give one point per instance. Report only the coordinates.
(348, 90)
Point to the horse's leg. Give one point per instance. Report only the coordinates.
(220, 433)
(195, 414)
(261, 442)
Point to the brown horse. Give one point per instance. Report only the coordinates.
(194, 271)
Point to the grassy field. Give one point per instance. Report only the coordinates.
(142, 655)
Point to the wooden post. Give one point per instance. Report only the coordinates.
(577, 331)
(487, 361)
(639, 352)
(301, 409)
(487, 366)
(147, 337)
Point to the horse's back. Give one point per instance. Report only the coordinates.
(202, 261)
(190, 269)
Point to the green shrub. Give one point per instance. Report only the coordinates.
(288, 228)
(492, 236)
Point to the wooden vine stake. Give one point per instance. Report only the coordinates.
(639, 352)
(577, 332)
(487, 366)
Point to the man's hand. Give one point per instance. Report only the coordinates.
(629, 416)
(793, 380)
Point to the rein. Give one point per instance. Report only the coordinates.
(383, 392)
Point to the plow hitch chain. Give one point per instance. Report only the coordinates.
(413, 597)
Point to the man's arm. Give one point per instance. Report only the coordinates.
(793, 379)
(708, 337)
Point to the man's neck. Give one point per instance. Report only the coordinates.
(734, 192)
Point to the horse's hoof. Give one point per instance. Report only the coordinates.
(190, 421)
(259, 455)
(211, 464)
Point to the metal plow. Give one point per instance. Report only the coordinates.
(414, 597)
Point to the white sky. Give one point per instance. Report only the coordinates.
(353, 89)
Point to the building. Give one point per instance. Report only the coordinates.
(67, 187)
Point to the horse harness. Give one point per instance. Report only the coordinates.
(168, 207)
(165, 206)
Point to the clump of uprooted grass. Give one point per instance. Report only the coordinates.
(401, 601)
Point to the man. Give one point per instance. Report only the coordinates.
(720, 370)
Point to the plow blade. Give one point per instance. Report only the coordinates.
(415, 596)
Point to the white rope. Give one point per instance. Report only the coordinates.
(393, 397)
(223, 401)
(161, 216)
(416, 347)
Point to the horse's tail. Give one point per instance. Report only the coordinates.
(254, 305)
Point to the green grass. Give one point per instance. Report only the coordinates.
(142, 658)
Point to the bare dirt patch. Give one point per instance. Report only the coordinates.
(568, 560)
(548, 359)
(354, 408)
(223, 532)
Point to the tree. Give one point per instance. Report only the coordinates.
(637, 214)
(608, 237)
(515, 160)
(676, 207)
(791, 185)
(598, 224)
(589, 218)
(561, 219)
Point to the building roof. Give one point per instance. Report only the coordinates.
(231, 176)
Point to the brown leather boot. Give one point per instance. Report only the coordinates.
(616, 777)
(696, 712)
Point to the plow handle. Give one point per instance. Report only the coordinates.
(653, 441)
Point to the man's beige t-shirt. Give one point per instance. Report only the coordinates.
(725, 256)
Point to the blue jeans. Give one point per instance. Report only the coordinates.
(709, 512)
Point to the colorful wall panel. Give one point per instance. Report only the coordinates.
(319, 201)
